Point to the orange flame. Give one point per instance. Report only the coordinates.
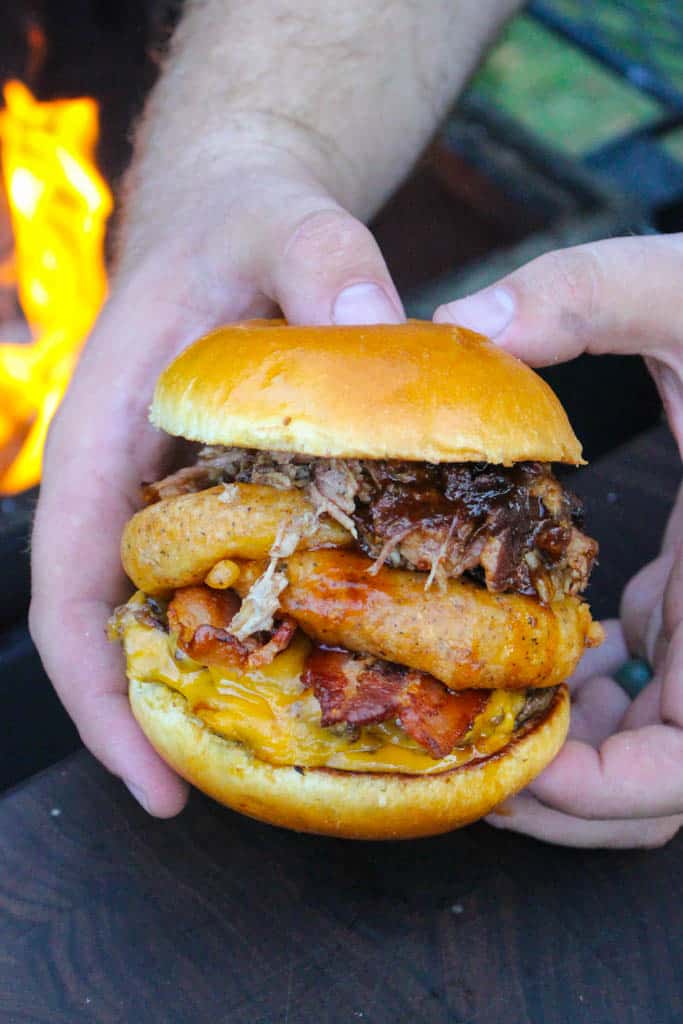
(59, 205)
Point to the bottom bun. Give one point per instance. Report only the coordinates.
(354, 805)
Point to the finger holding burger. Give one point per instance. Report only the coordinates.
(618, 781)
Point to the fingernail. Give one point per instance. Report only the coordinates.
(138, 793)
(488, 312)
(364, 303)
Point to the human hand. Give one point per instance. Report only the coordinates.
(618, 781)
(267, 236)
(262, 114)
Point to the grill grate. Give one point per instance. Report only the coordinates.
(642, 40)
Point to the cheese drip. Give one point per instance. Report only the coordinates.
(278, 719)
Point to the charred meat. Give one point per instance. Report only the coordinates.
(513, 528)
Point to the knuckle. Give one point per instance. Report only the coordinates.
(91, 738)
(673, 593)
(630, 595)
(327, 236)
(575, 283)
(579, 274)
(641, 607)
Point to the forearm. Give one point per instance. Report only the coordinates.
(348, 94)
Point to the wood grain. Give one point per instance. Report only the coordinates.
(108, 916)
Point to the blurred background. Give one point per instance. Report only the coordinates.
(572, 130)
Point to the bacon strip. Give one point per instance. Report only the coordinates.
(351, 689)
(201, 616)
(193, 607)
(437, 718)
(365, 690)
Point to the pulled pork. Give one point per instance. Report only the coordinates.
(513, 528)
(516, 527)
(216, 465)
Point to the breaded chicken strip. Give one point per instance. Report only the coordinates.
(177, 541)
(463, 635)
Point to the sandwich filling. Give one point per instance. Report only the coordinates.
(275, 710)
(513, 528)
(363, 658)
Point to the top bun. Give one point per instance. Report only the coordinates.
(418, 391)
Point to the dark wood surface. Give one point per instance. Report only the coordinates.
(108, 916)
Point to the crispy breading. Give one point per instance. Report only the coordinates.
(463, 635)
(177, 541)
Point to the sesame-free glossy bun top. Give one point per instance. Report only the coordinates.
(418, 391)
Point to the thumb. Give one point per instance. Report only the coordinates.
(318, 263)
(615, 296)
(618, 296)
(332, 269)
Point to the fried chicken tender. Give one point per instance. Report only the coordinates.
(177, 541)
(463, 635)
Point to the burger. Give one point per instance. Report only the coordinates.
(357, 606)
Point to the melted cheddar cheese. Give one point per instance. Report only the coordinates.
(271, 712)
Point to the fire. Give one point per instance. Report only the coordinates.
(58, 205)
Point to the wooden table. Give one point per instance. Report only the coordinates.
(109, 916)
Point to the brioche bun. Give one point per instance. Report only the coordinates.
(352, 805)
(417, 391)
